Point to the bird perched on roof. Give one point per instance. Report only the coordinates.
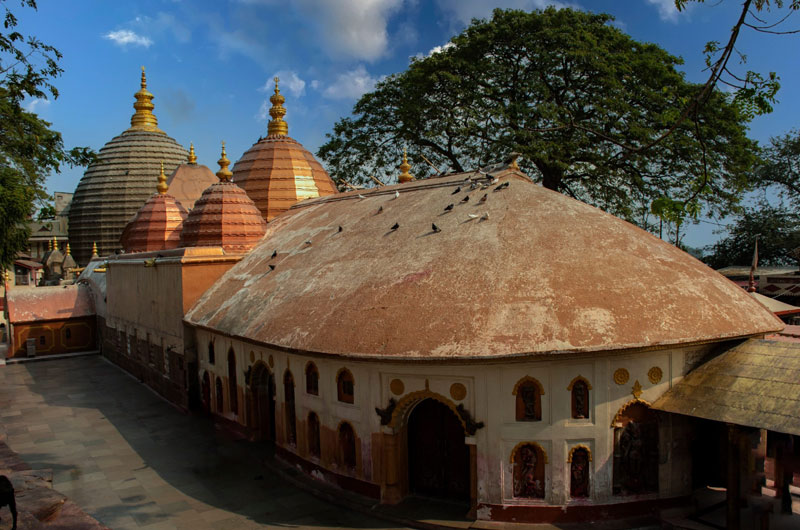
(340, 228)
(485, 217)
(396, 194)
(472, 216)
(503, 186)
(483, 199)
(380, 209)
(361, 196)
(456, 190)
(274, 253)
(435, 228)
(308, 242)
(465, 199)
(271, 267)
(449, 207)
(395, 226)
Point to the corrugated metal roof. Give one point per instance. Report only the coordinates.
(754, 384)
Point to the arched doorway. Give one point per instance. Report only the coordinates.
(206, 393)
(635, 450)
(262, 386)
(438, 458)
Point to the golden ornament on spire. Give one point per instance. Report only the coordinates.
(68, 250)
(224, 173)
(144, 119)
(55, 243)
(49, 245)
(405, 176)
(162, 181)
(276, 126)
(94, 249)
(192, 157)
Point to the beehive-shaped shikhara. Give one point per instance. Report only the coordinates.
(188, 182)
(157, 225)
(119, 182)
(224, 216)
(277, 172)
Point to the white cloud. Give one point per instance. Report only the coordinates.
(463, 11)
(353, 28)
(289, 81)
(37, 105)
(351, 85)
(124, 37)
(666, 9)
(162, 23)
(314, 84)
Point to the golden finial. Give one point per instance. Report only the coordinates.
(192, 157)
(68, 250)
(276, 126)
(49, 245)
(405, 176)
(224, 173)
(55, 243)
(162, 181)
(94, 249)
(144, 119)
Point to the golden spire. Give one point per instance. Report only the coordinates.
(144, 119)
(94, 249)
(68, 250)
(276, 126)
(405, 176)
(192, 157)
(224, 173)
(162, 181)
(55, 243)
(49, 245)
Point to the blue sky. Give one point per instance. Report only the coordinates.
(210, 62)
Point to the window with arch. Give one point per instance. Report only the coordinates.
(233, 389)
(314, 446)
(635, 450)
(579, 458)
(288, 397)
(347, 446)
(210, 352)
(345, 386)
(528, 462)
(312, 379)
(529, 399)
(220, 397)
(580, 387)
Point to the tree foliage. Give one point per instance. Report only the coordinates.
(576, 97)
(29, 148)
(777, 229)
(779, 167)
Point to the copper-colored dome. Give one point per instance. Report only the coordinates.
(224, 216)
(188, 181)
(526, 271)
(156, 226)
(278, 172)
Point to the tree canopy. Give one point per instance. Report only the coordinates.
(779, 167)
(575, 96)
(29, 148)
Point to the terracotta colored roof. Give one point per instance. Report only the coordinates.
(188, 181)
(156, 226)
(224, 216)
(114, 188)
(28, 264)
(49, 303)
(278, 172)
(755, 384)
(542, 274)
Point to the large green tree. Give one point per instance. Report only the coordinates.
(777, 229)
(779, 167)
(577, 97)
(29, 148)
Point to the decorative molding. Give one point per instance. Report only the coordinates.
(616, 421)
(458, 391)
(535, 444)
(528, 379)
(397, 387)
(575, 448)
(655, 374)
(576, 379)
(621, 376)
(386, 414)
(407, 402)
(636, 391)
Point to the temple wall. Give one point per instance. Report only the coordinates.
(485, 390)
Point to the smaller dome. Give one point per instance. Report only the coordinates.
(224, 216)
(189, 180)
(157, 225)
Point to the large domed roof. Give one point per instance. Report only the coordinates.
(123, 177)
(224, 216)
(189, 180)
(278, 171)
(526, 271)
(157, 225)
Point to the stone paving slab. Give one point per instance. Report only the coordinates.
(132, 461)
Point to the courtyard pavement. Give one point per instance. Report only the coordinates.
(133, 461)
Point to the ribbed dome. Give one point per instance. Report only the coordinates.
(277, 172)
(224, 216)
(188, 182)
(114, 188)
(157, 225)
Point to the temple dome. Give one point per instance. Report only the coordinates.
(157, 225)
(189, 180)
(278, 171)
(524, 272)
(119, 182)
(223, 216)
